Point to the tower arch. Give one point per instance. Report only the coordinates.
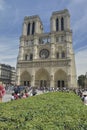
(28, 29)
(62, 24)
(33, 28)
(57, 24)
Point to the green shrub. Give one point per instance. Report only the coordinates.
(50, 111)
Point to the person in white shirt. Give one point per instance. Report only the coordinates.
(85, 99)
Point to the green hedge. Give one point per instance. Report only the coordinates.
(50, 111)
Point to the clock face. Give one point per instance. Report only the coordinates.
(44, 53)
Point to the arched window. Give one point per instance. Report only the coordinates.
(63, 83)
(57, 55)
(57, 39)
(62, 23)
(33, 28)
(57, 24)
(28, 29)
(26, 57)
(62, 38)
(63, 54)
(31, 56)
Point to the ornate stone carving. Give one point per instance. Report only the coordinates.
(44, 64)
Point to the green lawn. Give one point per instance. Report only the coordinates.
(50, 111)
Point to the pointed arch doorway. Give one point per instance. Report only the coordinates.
(42, 79)
(60, 79)
(25, 79)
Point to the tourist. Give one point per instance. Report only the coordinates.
(12, 97)
(24, 95)
(15, 96)
(85, 99)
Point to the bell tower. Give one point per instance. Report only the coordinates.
(60, 21)
(61, 36)
(32, 25)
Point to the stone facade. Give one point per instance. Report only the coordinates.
(46, 59)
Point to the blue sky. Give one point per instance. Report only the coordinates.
(12, 13)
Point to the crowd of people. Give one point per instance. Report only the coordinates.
(16, 96)
(23, 92)
(83, 94)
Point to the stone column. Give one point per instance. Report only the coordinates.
(18, 77)
(24, 30)
(21, 51)
(52, 81)
(53, 24)
(52, 38)
(67, 22)
(59, 23)
(35, 40)
(52, 50)
(33, 80)
(36, 27)
(35, 52)
(73, 72)
(30, 28)
(68, 72)
(68, 51)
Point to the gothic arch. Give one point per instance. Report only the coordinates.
(62, 23)
(42, 78)
(33, 28)
(60, 76)
(28, 29)
(63, 54)
(42, 74)
(25, 78)
(57, 24)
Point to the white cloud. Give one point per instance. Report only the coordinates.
(2, 5)
(8, 50)
(10, 59)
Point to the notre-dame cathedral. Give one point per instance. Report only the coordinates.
(46, 59)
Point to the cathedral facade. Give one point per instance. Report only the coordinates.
(47, 59)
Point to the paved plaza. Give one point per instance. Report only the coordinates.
(6, 98)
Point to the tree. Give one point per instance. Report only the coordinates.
(81, 81)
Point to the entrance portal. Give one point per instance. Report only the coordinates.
(60, 79)
(43, 84)
(25, 79)
(42, 79)
(60, 83)
(27, 83)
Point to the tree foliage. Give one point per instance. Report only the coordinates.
(81, 80)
